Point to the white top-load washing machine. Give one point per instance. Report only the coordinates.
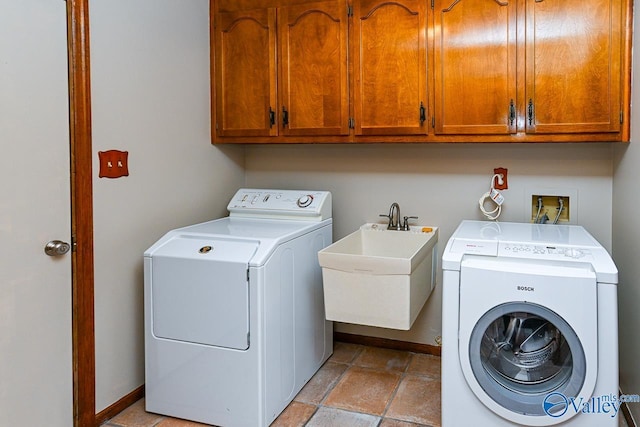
(233, 309)
(529, 327)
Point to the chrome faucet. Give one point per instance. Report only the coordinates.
(394, 209)
(394, 219)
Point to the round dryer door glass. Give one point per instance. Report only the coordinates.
(521, 352)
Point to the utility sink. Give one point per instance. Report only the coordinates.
(379, 277)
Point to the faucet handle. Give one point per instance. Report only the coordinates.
(405, 226)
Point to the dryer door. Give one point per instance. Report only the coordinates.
(200, 291)
(527, 338)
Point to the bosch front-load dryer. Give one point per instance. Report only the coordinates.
(233, 309)
(529, 327)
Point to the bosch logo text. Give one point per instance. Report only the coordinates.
(526, 288)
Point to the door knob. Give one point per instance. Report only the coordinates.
(56, 248)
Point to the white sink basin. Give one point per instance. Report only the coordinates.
(379, 277)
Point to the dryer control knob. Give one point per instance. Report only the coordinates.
(305, 200)
(573, 253)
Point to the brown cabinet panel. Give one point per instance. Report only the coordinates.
(238, 5)
(245, 73)
(388, 48)
(475, 66)
(573, 66)
(313, 86)
(472, 70)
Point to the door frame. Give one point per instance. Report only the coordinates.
(83, 333)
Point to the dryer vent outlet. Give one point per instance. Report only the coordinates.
(550, 209)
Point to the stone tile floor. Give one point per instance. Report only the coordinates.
(357, 386)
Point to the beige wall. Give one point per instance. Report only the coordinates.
(150, 83)
(441, 184)
(626, 235)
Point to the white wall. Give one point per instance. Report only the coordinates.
(439, 183)
(626, 235)
(150, 84)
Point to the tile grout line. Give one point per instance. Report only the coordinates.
(349, 365)
(381, 417)
(395, 391)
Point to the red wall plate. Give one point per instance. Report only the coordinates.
(496, 184)
(113, 164)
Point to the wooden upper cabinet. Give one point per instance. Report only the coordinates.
(421, 70)
(237, 5)
(475, 66)
(245, 73)
(313, 86)
(573, 66)
(388, 49)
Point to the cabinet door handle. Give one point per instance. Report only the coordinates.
(530, 112)
(285, 117)
(512, 113)
(423, 113)
(272, 117)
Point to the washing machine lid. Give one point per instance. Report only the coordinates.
(540, 242)
(558, 234)
(263, 235)
(206, 247)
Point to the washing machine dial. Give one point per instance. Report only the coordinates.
(573, 253)
(304, 201)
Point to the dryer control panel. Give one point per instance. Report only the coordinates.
(310, 205)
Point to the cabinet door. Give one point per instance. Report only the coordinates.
(246, 73)
(475, 66)
(573, 66)
(388, 48)
(313, 90)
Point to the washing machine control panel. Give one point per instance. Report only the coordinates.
(558, 252)
(286, 204)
